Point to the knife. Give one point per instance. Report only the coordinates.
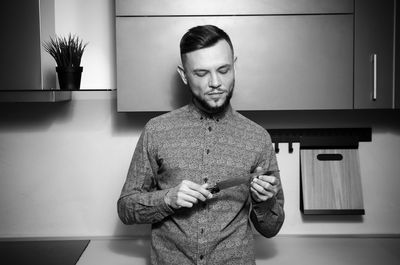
(244, 179)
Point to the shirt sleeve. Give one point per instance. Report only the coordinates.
(267, 217)
(140, 201)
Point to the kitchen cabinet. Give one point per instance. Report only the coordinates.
(374, 54)
(27, 72)
(230, 7)
(25, 65)
(397, 57)
(292, 55)
(284, 62)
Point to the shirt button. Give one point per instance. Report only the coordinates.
(209, 128)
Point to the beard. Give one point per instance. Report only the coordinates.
(209, 109)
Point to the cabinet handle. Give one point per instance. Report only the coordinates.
(374, 58)
(329, 157)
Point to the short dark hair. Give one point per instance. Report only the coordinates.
(200, 37)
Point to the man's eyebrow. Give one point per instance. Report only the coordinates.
(206, 70)
(225, 66)
(196, 71)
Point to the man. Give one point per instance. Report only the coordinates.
(181, 154)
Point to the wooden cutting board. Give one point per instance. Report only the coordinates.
(331, 181)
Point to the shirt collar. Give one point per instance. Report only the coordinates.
(200, 114)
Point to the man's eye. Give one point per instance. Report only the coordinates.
(200, 74)
(224, 70)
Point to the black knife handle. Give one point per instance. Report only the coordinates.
(214, 189)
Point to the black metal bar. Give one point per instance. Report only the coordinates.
(334, 212)
(295, 135)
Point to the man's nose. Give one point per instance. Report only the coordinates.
(214, 81)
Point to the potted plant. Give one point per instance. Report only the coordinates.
(67, 52)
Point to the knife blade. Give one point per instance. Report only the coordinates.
(244, 179)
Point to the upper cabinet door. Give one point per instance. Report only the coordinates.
(284, 62)
(397, 58)
(374, 40)
(230, 7)
(24, 63)
(294, 62)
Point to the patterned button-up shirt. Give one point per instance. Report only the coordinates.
(187, 144)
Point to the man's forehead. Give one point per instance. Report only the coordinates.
(218, 54)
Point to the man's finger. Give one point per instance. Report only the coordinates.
(182, 203)
(258, 169)
(259, 197)
(196, 190)
(264, 187)
(270, 179)
(200, 189)
(206, 193)
(195, 194)
(258, 187)
(187, 198)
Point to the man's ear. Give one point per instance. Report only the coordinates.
(182, 74)
(234, 64)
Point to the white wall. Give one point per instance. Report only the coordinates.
(92, 21)
(62, 165)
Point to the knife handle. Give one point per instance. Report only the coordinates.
(214, 189)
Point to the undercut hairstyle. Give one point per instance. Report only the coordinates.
(200, 37)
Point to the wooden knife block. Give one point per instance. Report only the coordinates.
(331, 181)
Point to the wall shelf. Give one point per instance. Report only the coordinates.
(35, 95)
(45, 95)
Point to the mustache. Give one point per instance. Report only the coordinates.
(217, 90)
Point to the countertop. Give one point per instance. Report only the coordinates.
(327, 250)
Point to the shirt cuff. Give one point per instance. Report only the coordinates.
(261, 208)
(165, 209)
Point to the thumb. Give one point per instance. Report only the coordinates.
(205, 185)
(258, 169)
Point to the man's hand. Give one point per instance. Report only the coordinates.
(186, 194)
(264, 187)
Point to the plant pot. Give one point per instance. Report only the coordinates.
(69, 78)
